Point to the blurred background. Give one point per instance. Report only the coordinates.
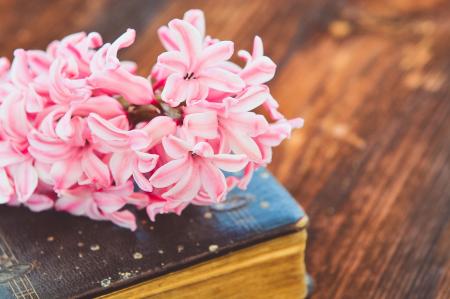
(371, 78)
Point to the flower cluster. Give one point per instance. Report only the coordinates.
(79, 128)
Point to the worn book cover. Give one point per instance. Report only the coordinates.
(56, 255)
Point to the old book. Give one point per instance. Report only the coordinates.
(250, 246)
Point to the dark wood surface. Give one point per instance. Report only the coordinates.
(371, 78)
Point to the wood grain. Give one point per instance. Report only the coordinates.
(371, 79)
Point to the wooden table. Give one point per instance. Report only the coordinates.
(371, 78)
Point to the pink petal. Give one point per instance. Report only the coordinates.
(121, 122)
(65, 173)
(173, 61)
(64, 90)
(46, 120)
(124, 41)
(232, 182)
(138, 139)
(95, 213)
(98, 60)
(64, 128)
(78, 138)
(75, 201)
(258, 49)
(158, 128)
(43, 171)
(259, 71)
(4, 65)
(142, 182)
(14, 119)
(107, 132)
(266, 154)
(213, 181)
(146, 162)
(34, 103)
(174, 91)
(250, 99)
(138, 199)
(202, 124)
(188, 38)
(230, 66)
(176, 207)
(105, 106)
(129, 66)
(279, 131)
(121, 166)
(124, 219)
(228, 162)
(187, 187)
(109, 202)
(242, 144)
(246, 178)
(47, 149)
(39, 202)
(203, 149)
(197, 19)
(169, 173)
(195, 92)
(271, 105)
(297, 122)
(135, 89)
(39, 61)
(94, 40)
(244, 55)
(95, 169)
(25, 179)
(166, 37)
(175, 147)
(155, 207)
(221, 80)
(215, 54)
(20, 73)
(9, 155)
(6, 190)
(248, 123)
(122, 190)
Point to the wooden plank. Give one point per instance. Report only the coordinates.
(371, 78)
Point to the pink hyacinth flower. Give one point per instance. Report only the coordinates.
(4, 66)
(102, 204)
(18, 178)
(259, 69)
(195, 17)
(36, 203)
(69, 138)
(237, 125)
(72, 159)
(114, 77)
(194, 69)
(194, 170)
(16, 163)
(125, 147)
(274, 135)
